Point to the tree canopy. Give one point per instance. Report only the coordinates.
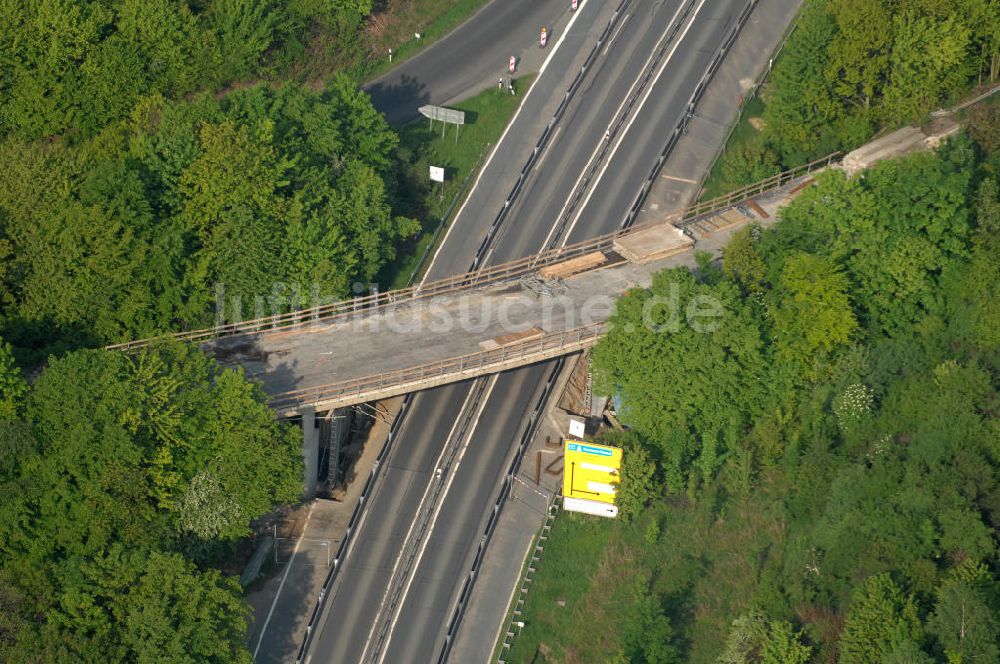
(117, 472)
(853, 67)
(264, 199)
(80, 66)
(819, 466)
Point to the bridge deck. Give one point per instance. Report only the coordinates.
(423, 343)
(498, 318)
(426, 333)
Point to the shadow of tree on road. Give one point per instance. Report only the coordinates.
(399, 97)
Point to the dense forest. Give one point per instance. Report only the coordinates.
(815, 475)
(853, 67)
(134, 197)
(123, 479)
(165, 164)
(67, 65)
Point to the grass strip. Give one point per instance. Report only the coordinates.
(422, 146)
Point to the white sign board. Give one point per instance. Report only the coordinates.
(576, 428)
(451, 115)
(437, 173)
(590, 507)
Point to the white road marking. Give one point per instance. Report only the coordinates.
(679, 179)
(451, 477)
(636, 113)
(409, 532)
(284, 577)
(545, 153)
(607, 131)
(538, 77)
(617, 32)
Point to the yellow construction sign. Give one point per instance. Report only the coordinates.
(591, 471)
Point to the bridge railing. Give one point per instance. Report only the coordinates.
(469, 365)
(733, 198)
(366, 305)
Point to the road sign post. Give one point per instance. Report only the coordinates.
(445, 115)
(591, 474)
(437, 175)
(544, 38)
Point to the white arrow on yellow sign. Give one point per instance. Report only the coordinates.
(591, 471)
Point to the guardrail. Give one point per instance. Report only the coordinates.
(410, 379)
(696, 211)
(527, 576)
(626, 110)
(529, 432)
(689, 112)
(745, 99)
(422, 526)
(547, 133)
(352, 527)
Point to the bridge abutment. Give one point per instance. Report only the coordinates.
(310, 452)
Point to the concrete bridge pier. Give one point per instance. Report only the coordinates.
(310, 452)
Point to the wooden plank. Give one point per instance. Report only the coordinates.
(512, 338)
(758, 210)
(573, 266)
(732, 218)
(799, 187)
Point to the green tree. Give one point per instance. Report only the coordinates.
(754, 637)
(748, 163)
(13, 387)
(800, 102)
(974, 292)
(646, 632)
(742, 261)
(860, 51)
(129, 605)
(983, 18)
(964, 624)
(703, 365)
(83, 65)
(637, 486)
(45, 45)
(783, 645)
(87, 252)
(880, 616)
(154, 423)
(929, 64)
(269, 192)
(235, 206)
(245, 30)
(174, 453)
(895, 231)
(167, 35)
(811, 309)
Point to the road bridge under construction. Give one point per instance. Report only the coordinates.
(518, 313)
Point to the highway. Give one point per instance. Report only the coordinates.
(416, 622)
(467, 60)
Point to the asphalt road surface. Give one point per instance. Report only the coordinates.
(418, 630)
(467, 60)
